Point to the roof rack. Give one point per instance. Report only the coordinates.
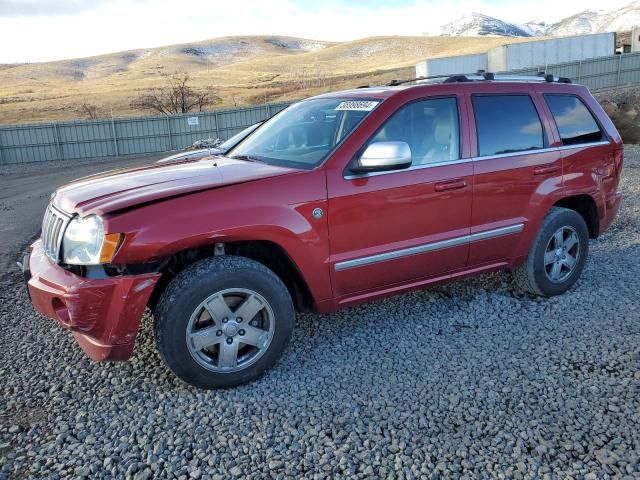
(481, 75)
(395, 83)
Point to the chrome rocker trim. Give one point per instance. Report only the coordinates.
(428, 247)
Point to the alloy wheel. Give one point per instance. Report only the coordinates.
(230, 330)
(561, 254)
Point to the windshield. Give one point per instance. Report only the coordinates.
(304, 134)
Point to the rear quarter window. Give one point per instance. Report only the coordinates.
(506, 124)
(575, 122)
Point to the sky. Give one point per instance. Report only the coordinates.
(43, 30)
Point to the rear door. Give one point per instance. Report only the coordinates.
(391, 228)
(515, 168)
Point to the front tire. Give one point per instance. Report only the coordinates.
(557, 256)
(223, 321)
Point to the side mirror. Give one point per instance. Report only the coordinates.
(380, 156)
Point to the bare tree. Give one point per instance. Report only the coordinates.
(88, 110)
(176, 96)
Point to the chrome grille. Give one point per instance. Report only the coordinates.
(53, 226)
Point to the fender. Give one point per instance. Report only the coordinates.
(579, 182)
(545, 196)
(276, 209)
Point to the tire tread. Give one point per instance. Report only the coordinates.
(181, 283)
(524, 274)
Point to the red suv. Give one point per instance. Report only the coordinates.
(337, 200)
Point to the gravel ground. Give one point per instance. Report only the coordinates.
(467, 380)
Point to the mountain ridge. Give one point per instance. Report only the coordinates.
(241, 70)
(579, 23)
(479, 24)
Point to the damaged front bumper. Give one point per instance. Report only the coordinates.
(103, 314)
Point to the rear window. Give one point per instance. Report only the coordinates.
(573, 119)
(506, 124)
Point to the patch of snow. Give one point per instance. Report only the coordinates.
(205, 143)
(477, 24)
(535, 28)
(290, 43)
(223, 52)
(366, 50)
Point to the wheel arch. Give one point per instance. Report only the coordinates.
(586, 207)
(266, 252)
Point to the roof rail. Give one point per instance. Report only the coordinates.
(481, 75)
(395, 83)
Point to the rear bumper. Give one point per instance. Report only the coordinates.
(103, 314)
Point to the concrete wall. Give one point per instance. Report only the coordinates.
(516, 56)
(635, 40)
(452, 65)
(595, 73)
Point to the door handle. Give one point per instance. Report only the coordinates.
(545, 169)
(453, 184)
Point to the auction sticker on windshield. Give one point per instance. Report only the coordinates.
(357, 105)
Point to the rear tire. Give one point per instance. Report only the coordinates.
(557, 256)
(223, 321)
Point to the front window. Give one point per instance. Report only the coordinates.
(303, 135)
(430, 127)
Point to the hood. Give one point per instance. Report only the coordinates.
(190, 155)
(111, 191)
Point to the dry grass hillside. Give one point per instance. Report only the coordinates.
(239, 70)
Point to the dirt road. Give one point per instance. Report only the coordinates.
(25, 190)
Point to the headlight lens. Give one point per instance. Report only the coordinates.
(83, 240)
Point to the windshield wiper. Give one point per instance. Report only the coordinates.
(246, 158)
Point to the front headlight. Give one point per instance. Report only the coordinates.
(84, 242)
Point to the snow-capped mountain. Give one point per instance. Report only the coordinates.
(478, 24)
(587, 21)
(578, 24)
(625, 18)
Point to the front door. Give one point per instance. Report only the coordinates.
(394, 227)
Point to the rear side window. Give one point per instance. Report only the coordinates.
(573, 119)
(506, 124)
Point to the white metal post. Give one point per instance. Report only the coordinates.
(58, 146)
(618, 74)
(115, 138)
(579, 71)
(169, 130)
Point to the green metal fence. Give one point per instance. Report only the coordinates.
(595, 73)
(40, 142)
